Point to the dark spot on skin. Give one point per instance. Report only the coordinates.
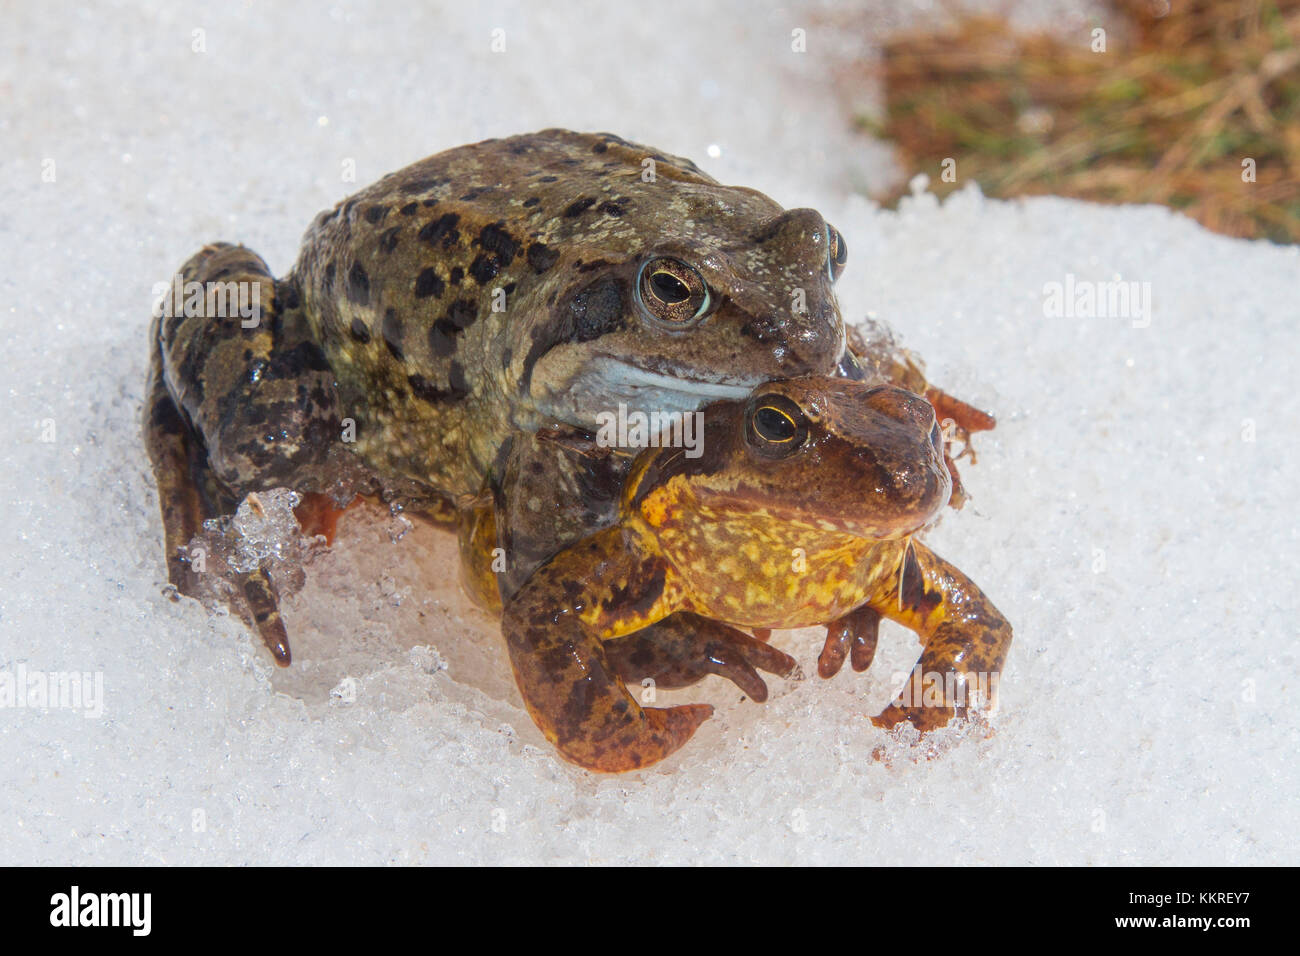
(510, 288)
(388, 241)
(329, 276)
(494, 238)
(593, 264)
(610, 209)
(360, 332)
(392, 332)
(419, 186)
(428, 283)
(291, 363)
(637, 598)
(409, 209)
(531, 201)
(425, 390)
(594, 311)
(442, 335)
(442, 338)
(484, 268)
(506, 355)
(600, 147)
(358, 284)
(376, 213)
(441, 230)
(549, 179)
(578, 207)
(541, 256)
(429, 203)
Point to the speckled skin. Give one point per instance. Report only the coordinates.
(757, 534)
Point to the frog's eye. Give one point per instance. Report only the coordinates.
(777, 426)
(672, 292)
(837, 252)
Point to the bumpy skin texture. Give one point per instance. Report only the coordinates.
(759, 533)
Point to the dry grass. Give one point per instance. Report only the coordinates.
(1167, 114)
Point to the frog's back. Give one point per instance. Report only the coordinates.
(412, 285)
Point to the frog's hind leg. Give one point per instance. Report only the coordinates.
(684, 648)
(240, 400)
(554, 635)
(188, 495)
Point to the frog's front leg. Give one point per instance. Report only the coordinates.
(965, 640)
(684, 648)
(598, 589)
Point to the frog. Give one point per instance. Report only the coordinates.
(484, 294)
(805, 508)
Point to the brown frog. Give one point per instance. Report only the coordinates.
(802, 509)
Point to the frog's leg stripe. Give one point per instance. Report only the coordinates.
(684, 648)
(965, 638)
(552, 628)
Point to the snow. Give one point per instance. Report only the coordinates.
(1131, 515)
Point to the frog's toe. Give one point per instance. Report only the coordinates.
(921, 717)
(853, 636)
(264, 604)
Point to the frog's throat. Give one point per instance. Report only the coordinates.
(626, 377)
(604, 383)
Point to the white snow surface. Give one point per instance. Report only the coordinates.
(1131, 514)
